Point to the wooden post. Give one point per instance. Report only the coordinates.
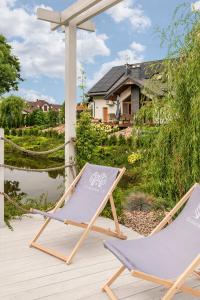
(70, 97)
(75, 16)
(2, 178)
(135, 99)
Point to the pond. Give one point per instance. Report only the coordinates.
(40, 186)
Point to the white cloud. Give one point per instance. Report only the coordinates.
(32, 95)
(137, 47)
(127, 10)
(196, 6)
(134, 54)
(41, 51)
(91, 45)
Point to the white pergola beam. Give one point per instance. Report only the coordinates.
(88, 25)
(95, 10)
(74, 10)
(49, 15)
(54, 18)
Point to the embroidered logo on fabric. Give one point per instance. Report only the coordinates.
(197, 213)
(194, 220)
(98, 179)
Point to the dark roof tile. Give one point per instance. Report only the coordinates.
(140, 71)
(108, 80)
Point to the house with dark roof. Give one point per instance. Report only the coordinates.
(131, 85)
(43, 105)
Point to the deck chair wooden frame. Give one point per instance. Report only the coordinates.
(88, 227)
(173, 286)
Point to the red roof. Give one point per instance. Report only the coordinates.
(40, 103)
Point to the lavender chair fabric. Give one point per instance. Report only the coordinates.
(168, 253)
(89, 193)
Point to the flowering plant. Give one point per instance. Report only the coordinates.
(100, 127)
(135, 156)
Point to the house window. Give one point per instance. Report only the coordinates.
(45, 107)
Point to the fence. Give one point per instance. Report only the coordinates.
(3, 139)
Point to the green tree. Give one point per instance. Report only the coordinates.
(175, 156)
(11, 112)
(62, 113)
(53, 117)
(9, 68)
(38, 117)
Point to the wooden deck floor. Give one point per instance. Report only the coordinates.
(27, 274)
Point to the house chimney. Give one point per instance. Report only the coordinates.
(127, 69)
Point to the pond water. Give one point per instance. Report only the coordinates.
(34, 184)
(40, 186)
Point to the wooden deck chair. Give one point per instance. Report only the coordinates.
(82, 204)
(169, 255)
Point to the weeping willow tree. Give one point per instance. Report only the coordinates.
(175, 156)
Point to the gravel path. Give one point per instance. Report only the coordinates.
(142, 221)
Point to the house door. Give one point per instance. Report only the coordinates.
(105, 114)
(127, 108)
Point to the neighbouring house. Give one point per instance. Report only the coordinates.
(130, 85)
(41, 104)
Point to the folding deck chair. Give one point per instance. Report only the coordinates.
(82, 204)
(169, 255)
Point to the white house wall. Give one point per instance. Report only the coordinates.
(99, 104)
(125, 94)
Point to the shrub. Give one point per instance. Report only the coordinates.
(19, 132)
(118, 196)
(139, 201)
(89, 136)
(35, 131)
(30, 131)
(27, 132)
(6, 131)
(112, 140)
(13, 131)
(61, 136)
(129, 141)
(121, 140)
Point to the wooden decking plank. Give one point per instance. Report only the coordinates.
(48, 266)
(93, 289)
(58, 269)
(42, 287)
(26, 273)
(99, 264)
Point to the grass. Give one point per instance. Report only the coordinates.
(39, 143)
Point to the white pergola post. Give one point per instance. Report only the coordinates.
(77, 15)
(70, 96)
(2, 224)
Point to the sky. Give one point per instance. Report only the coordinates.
(127, 32)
